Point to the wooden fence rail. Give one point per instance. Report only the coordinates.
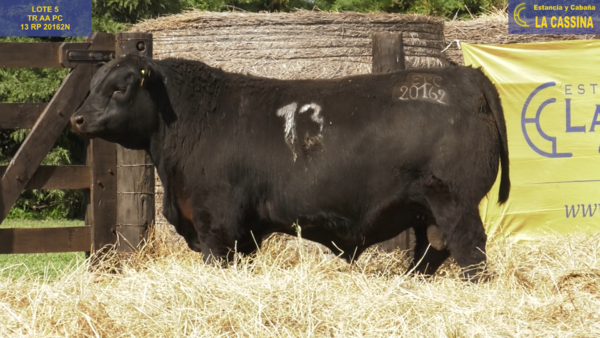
(39, 54)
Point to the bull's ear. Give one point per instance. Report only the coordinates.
(147, 64)
(150, 71)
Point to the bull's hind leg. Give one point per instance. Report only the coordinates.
(462, 227)
(468, 242)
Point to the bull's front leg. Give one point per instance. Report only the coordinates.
(225, 227)
(217, 242)
(222, 245)
(181, 219)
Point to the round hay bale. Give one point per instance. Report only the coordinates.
(297, 45)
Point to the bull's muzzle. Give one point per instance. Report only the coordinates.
(79, 126)
(77, 122)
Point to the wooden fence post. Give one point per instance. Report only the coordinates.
(388, 56)
(101, 158)
(388, 52)
(135, 172)
(101, 212)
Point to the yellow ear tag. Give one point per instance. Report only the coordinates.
(143, 77)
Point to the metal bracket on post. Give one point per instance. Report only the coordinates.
(79, 55)
(70, 54)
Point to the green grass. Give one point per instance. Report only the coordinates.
(48, 265)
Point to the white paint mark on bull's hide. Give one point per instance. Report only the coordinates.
(316, 115)
(425, 87)
(288, 112)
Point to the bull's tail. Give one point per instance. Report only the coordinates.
(493, 100)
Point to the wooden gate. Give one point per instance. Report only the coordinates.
(119, 183)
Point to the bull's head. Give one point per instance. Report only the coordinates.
(123, 104)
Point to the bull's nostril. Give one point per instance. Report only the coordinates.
(79, 120)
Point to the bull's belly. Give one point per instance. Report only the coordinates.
(342, 232)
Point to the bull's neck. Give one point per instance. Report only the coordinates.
(191, 103)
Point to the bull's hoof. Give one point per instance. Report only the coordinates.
(436, 238)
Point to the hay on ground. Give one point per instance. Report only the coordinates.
(548, 288)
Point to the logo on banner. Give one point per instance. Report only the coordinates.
(550, 17)
(516, 14)
(531, 115)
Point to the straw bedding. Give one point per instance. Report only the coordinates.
(550, 288)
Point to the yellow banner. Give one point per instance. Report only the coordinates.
(551, 98)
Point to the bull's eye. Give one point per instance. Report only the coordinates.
(120, 89)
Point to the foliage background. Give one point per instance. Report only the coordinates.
(31, 85)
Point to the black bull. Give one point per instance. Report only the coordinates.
(353, 161)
